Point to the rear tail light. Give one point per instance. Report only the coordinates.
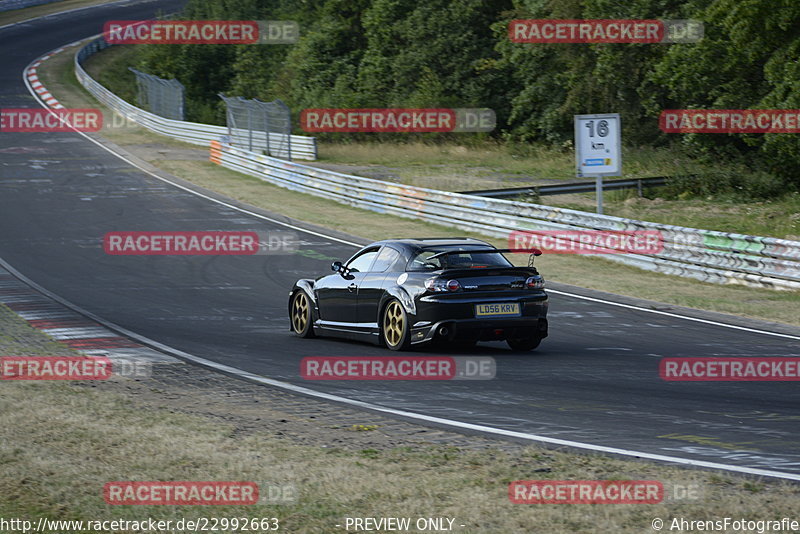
(438, 285)
(535, 282)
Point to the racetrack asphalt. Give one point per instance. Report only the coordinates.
(594, 380)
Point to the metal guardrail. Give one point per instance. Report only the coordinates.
(710, 256)
(572, 187)
(303, 147)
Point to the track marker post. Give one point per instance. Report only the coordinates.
(598, 149)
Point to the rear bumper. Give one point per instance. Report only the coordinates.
(480, 330)
(457, 321)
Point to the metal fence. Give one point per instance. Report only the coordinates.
(718, 257)
(303, 147)
(263, 127)
(571, 187)
(163, 97)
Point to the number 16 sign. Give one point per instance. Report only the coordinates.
(597, 145)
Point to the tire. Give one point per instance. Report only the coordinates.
(300, 315)
(395, 331)
(524, 344)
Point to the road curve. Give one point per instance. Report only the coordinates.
(594, 380)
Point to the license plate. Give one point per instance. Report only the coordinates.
(497, 310)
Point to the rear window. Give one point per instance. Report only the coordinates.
(423, 260)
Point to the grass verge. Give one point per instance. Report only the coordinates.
(64, 441)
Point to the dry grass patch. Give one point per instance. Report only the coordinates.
(63, 442)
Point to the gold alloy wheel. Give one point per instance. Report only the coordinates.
(300, 312)
(393, 324)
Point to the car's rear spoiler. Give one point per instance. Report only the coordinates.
(534, 251)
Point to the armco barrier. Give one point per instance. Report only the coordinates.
(705, 255)
(302, 147)
(710, 256)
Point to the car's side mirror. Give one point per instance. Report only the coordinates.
(341, 269)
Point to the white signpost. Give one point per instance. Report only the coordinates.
(598, 150)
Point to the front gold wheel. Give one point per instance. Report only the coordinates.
(301, 315)
(395, 326)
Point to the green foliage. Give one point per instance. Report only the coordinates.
(723, 182)
(747, 59)
(456, 53)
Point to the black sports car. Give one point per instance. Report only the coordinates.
(402, 292)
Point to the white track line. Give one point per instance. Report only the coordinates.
(678, 316)
(411, 415)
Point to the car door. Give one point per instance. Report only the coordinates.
(337, 296)
(370, 288)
